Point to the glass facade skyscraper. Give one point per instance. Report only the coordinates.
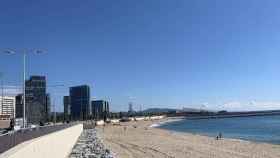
(100, 109)
(67, 108)
(19, 106)
(36, 100)
(80, 102)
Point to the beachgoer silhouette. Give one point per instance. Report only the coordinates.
(220, 135)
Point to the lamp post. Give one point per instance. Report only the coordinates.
(24, 53)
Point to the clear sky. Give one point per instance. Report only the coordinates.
(166, 53)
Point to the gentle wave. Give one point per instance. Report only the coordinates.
(155, 125)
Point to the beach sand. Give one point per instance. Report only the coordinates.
(139, 140)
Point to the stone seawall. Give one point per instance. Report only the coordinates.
(90, 146)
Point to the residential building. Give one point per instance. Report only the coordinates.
(80, 102)
(7, 105)
(5, 121)
(100, 109)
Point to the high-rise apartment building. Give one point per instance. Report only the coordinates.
(7, 106)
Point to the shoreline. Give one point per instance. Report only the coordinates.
(166, 120)
(138, 140)
(163, 121)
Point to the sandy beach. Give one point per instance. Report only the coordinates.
(139, 140)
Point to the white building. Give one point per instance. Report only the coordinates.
(7, 106)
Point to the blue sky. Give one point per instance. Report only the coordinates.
(222, 54)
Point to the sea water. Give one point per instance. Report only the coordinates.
(254, 128)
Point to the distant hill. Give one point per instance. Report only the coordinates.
(190, 110)
(159, 110)
(165, 110)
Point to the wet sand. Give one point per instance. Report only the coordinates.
(139, 140)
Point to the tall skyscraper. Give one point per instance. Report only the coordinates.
(80, 102)
(36, 101)
(67, 108)
(19, 106)
(100, 109)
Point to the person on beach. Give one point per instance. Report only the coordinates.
(220, 135)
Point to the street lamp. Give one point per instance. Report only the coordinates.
(54, 110)
(24, 53)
